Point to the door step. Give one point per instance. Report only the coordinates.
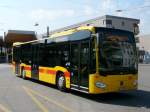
(80, 88)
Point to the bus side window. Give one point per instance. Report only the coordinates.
(15, 54)
(64, 55)
(53, 56)
(42, 56)
(56, 55)
(25, 52)
(74, 56)
(84, 54)
(50, 55)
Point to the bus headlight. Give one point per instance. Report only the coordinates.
(100, 85)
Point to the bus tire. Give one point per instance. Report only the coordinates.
(61, 82)
(23, 74)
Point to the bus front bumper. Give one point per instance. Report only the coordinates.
(112, 83)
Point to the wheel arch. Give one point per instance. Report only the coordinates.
(67, 79)
(66, 74)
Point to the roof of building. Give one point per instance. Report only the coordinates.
(21, 32)
(125, 18)
(19, 36)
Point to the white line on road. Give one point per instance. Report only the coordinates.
(4, 109)
(40, 105)
(50, 100)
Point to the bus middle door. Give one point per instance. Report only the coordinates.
(35, 62)
(80, 65)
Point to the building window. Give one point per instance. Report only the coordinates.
(135, 28)
(103, 22)
(122, 23)
(109, 22)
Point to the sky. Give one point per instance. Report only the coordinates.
(24, 14)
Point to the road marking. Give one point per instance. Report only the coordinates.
(4, 109)
(51, 101)
(40, 105)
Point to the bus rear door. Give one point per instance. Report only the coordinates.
(17, 51)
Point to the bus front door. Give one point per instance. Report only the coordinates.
(35, 62)
(80, 65)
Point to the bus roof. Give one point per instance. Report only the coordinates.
(58, 34)
(55, 37)
(67, 32)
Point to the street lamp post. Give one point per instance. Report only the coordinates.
(47, 31)
(36, 25)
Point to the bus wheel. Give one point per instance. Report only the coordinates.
(61, 82)
(23, 74)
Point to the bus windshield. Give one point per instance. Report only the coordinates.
(117, 53)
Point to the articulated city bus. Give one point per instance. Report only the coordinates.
(87, 59)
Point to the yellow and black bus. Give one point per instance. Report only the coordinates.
(88, 59)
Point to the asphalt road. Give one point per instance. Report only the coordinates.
(18, 95)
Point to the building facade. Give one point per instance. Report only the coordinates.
(108, 21)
